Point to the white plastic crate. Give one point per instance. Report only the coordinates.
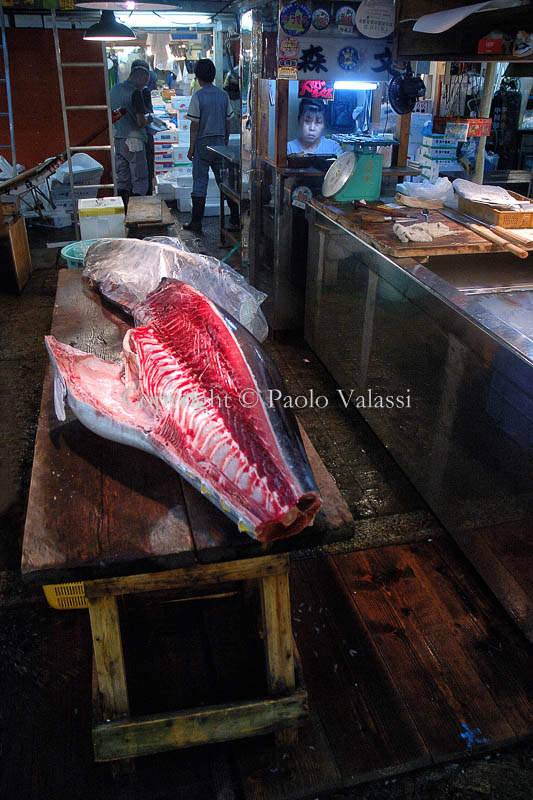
(85, 169)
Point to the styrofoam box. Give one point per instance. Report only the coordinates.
(181, 102)
(184, 138)
(166, 157)
(183, 171)
(163, 166)
(184, 124)
(167, 136)
(438, 140)
(101, 217)
(179, 153)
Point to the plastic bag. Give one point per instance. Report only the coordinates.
(441, 190)
(127, 270)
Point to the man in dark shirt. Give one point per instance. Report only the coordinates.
(210, 113)
(129, 132)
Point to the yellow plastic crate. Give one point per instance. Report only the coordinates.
(66, 596)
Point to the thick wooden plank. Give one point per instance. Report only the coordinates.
(92, 501)
(503, 660)
(334, 521)
(143, 210)
(153, 734)
(277, 630)
(502, 556)
(382, 237)
(303, 769)
(108, 657)
(190, 576)
(454, 711)
(370, 730)
(15, 251)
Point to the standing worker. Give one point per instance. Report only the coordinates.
(130, 134)
(210, 113)
(147, 97)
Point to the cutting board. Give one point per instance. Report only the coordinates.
(144, 210)
(381, 236)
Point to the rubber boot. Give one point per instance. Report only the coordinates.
(198, 206)
(125, 195)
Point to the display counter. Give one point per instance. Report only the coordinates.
(452, 337)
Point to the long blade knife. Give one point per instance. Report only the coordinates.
(484, 231)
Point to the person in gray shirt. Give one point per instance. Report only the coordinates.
(129, 132)
(210, 113)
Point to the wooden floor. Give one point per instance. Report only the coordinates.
(408, 660)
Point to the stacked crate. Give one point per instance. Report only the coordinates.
(436, 153)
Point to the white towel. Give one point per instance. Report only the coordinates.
(421, 231)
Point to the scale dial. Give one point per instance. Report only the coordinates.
(339, 174)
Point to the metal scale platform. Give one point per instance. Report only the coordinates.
(356, 175)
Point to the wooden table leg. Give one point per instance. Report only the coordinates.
(276, 611)
(108, 656)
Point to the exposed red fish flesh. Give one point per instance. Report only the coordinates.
(196, 389)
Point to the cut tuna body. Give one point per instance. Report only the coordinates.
(196, 389)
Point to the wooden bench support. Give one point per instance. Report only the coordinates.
(108, 657)
(140, 736)
(117, 736)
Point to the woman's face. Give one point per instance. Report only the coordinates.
(311, 127)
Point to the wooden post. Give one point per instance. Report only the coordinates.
(282, 114)
(484, 111)
(277, 628)
(402, 134)
(108, 656)
(276, 611)
(375, 114)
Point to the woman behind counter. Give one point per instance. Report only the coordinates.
(310, 140)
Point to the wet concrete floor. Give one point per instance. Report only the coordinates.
(385, 506)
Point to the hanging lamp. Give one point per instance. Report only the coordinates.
(108, 30)
(128, 5)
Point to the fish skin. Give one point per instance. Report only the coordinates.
(249, 462)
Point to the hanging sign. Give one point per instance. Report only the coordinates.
(288, 68)
(289, 47)
(375, 18)
(345, 19)
(301, 195)
(318, 90)
(348, 58)
(320, 19)
(295, 19)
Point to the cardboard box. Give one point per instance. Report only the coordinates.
(490, 46)
(470, 126)
(166, 136)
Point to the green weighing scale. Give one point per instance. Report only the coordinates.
(356, 175)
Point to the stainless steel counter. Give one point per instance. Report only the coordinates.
(455, 336)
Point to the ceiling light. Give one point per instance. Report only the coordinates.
(168, 19)
(127, 5)
(108, 30)
(355, 85)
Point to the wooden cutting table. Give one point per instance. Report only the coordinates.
(381, 236)
(119, 522)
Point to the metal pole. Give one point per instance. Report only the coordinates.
(109, 120)
(484, 111)
(65, 125)
(8, 91)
